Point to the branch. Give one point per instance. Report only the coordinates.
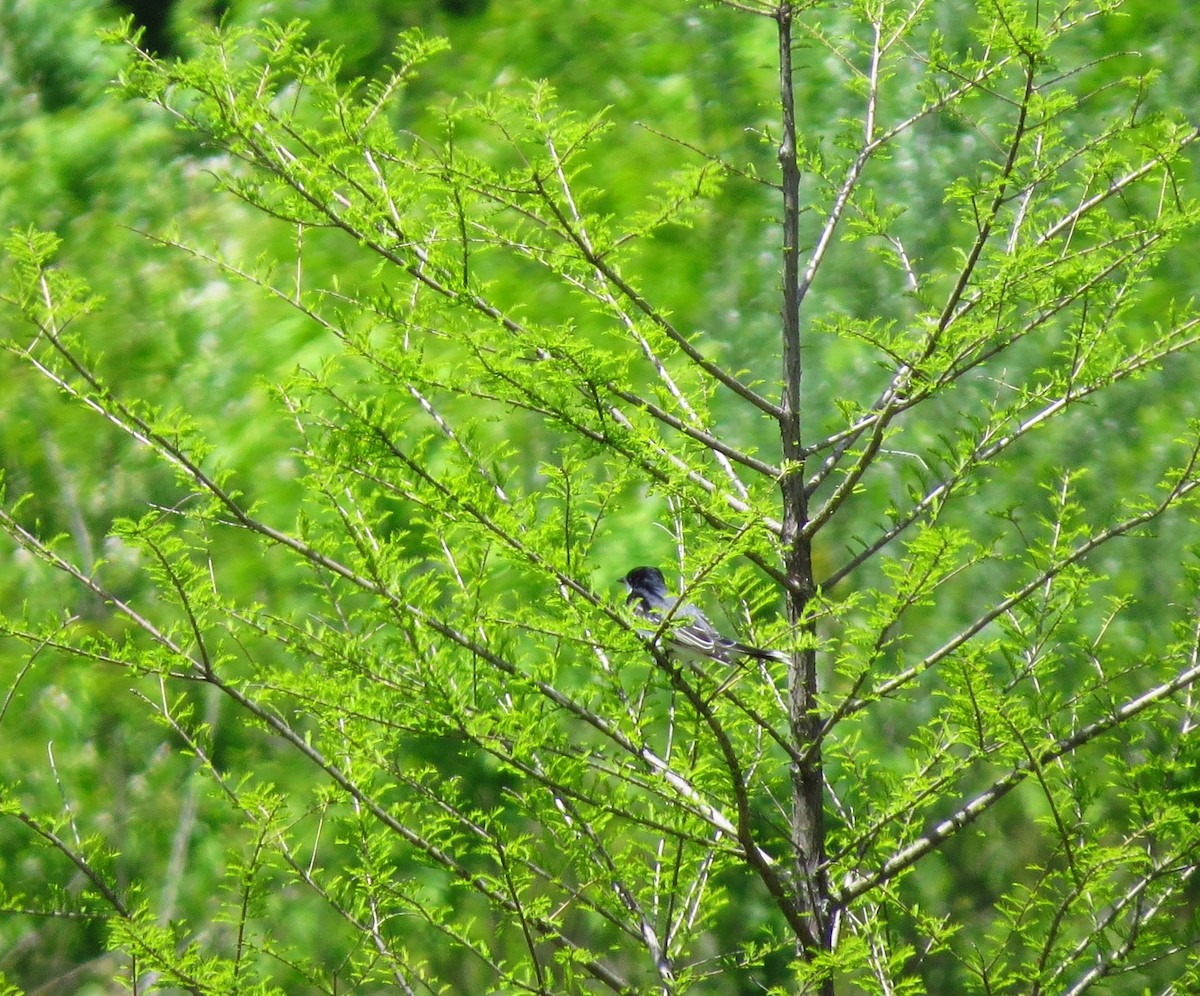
(990, 446)
(857, 885)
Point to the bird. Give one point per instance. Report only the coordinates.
(689, 635)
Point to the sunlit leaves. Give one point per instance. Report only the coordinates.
(443, 734)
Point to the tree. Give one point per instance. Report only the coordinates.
(474, 771)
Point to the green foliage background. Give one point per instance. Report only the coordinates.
(117, 182)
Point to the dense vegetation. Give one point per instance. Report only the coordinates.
(347, 369)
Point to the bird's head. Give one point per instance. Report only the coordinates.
(645, 579)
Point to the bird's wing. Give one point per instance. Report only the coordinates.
(693, 640)
(687, 626)
(696, 634)
(691, 634)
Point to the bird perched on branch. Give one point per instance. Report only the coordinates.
(689, 635)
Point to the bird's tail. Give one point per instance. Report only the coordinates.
(762, 655)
